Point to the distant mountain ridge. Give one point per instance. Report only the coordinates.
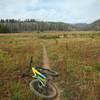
(80, 24)
(95, 26)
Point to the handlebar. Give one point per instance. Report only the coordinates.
(41, 69)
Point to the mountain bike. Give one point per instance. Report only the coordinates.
(42, 85)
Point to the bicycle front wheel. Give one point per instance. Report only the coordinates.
(50, 92)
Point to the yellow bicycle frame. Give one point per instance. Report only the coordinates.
(41, 78)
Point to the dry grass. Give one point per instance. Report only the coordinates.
(75, 56)
(15, 53)
(77, 59)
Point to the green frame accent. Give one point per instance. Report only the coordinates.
(41, 78)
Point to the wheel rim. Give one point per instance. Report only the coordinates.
(52, 93)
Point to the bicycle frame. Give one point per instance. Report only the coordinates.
(41, 78)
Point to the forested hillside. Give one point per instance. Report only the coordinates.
(95, 25)
(30, 25)
(33, 25)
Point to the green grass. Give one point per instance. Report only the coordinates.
(15, 91)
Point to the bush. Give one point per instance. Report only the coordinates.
(49, 37)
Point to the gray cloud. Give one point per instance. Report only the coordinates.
(53, 10)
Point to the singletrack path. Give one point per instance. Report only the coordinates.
(46, 63)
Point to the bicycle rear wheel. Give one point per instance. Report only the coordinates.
(52, 90)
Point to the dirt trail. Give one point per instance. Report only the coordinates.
(45, 57)
(46, 63)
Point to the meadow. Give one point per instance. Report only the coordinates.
(75, 55)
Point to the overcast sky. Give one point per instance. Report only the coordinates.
(71, 11)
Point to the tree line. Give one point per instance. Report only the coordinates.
(31, 25)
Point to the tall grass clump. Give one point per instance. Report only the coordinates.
(15, 91)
